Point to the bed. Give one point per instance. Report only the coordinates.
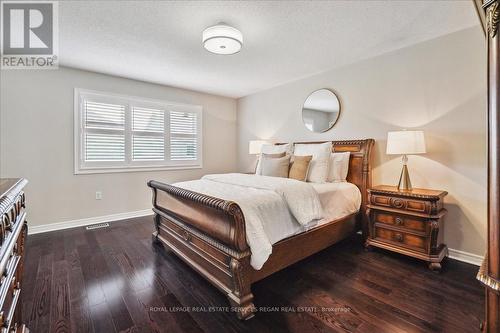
(210, 232)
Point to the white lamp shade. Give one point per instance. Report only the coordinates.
(255, 146)
(405, 143)
(222, 39)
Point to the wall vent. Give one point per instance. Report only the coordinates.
(97, 226)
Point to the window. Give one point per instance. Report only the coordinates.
(116, 133)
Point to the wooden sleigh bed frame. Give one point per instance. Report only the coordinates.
(209, 233)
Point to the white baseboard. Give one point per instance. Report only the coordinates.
(465, 257)
(37, 229)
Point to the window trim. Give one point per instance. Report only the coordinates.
(80, 167)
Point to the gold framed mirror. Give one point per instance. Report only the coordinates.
(321, 110)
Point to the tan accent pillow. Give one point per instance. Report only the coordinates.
(275, 167)
(299, 167)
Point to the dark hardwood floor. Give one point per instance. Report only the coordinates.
(115, 280)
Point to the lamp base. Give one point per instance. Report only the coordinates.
(404, 180)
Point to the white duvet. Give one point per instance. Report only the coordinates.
(274, 208)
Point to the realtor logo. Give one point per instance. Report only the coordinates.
(29, 35)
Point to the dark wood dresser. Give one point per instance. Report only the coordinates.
(13, 231)
(407, 222)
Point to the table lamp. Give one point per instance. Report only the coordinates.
(405, 143)
(255, 148)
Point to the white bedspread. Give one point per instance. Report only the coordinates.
(301, 198)
(274, 208)
(338, 199)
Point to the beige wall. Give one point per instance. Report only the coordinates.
(36, 136)
(438, 86)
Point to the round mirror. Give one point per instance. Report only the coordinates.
(321, 110)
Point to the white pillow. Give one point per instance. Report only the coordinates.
(275, 167)
(318, 168)
(339, 167)
(272, 149)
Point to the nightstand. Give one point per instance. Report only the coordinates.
(407, 222)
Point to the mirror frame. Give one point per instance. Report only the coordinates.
(336, 120)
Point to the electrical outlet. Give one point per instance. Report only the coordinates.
(98, 195)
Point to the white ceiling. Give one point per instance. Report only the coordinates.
(160, 41)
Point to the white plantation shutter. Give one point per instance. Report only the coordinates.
(104, 115)
(183, 136)
(104, 147)
(121, 133)
(148, 148)
(148, 134)
(105, 132)
(150, 120)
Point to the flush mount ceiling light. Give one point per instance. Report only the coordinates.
(222, 39)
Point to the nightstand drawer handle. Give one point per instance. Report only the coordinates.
(399, 221)
(398, 203)
(398, 237)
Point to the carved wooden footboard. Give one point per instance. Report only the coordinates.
(209, 233)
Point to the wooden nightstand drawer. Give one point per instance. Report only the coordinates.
(418, 206)
(414, 242)
(400, 221)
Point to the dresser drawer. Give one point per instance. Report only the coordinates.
(402, 239)
(11, 216)
(13, 230)
(409, 204)
(11, 307)
(9, 292)
(17, 205)
(407, 223)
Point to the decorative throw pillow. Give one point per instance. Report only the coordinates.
(275, 167)
(272, 149)
(277, 155)
(299, 167)
(339, 167)
(318, 168)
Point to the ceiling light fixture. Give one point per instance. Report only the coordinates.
(222, 39)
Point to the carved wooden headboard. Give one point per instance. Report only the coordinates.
(359, 165)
